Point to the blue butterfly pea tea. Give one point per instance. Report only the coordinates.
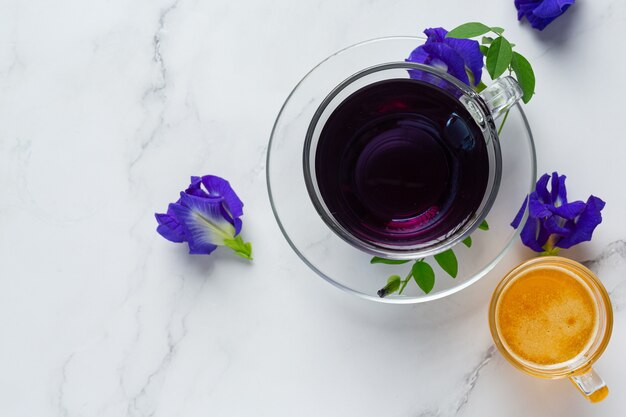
(401, 162)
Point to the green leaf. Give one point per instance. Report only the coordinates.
(484, 225)
(525, 75)
(241, 248)
(394, 281)
(499, 57)
(470, 76)
(448, 262)
(393, 284)
(468, 30)
(487, 40)
(484, 50)
(497, 30)
(480, 87)
(377, 260)
(468, 241)
(424, 276)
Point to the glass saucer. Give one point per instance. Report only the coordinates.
(340, 263)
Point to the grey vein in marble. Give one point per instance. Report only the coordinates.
(14, 63)
(259, 166)
(469, 383)
(63, 411)
(613, 258)
(614, 249)
(173, 342)
(472, 378)
(154, 90)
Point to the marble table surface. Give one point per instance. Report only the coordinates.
(106, 109)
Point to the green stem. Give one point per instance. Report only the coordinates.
(406, 280)
(503, 120)
(551, 252)
(550, 248)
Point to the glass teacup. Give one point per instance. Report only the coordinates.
(389, 122)
(346, 265)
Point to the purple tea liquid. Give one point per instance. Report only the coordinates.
(400, 163)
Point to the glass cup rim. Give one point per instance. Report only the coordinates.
(432, 248)
(600, 295)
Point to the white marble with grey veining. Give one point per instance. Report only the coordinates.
(106, 107)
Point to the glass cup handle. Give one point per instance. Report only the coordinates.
(501, 95)
(591, 385)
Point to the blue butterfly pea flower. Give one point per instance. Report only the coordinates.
(540, 13)
(457, 57)
(206, 215)
(554, 223)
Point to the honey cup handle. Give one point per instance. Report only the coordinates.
(591, 385)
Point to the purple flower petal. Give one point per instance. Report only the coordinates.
(530, 234)
(552, 8)
(203, 222)
(586, 223)
(569, 211)
(536, 208)
(454, 56)
(518, 217)
(525, 7)
(538, 22)
(542, 189)
(555, 226)
(169, 227)
(236, 222)
(195, 188)
(196, 248)
(419, 56)
(454, 61)
(470, 52)
(436, 34)
(217, 186)
(542, 236)
(558, 190)
(540, 13)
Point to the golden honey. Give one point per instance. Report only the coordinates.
(547, 316)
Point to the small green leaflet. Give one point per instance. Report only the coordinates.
(499, 57)
(448, 262)
(487, 40)
(241, 248)
(393, 284)
(468, 241)
(468, 30)
(424, 276)
(525, 75)
(377, 260)
(480, 87)
(484, 225)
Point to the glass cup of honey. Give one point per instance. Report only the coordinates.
(551, 317)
